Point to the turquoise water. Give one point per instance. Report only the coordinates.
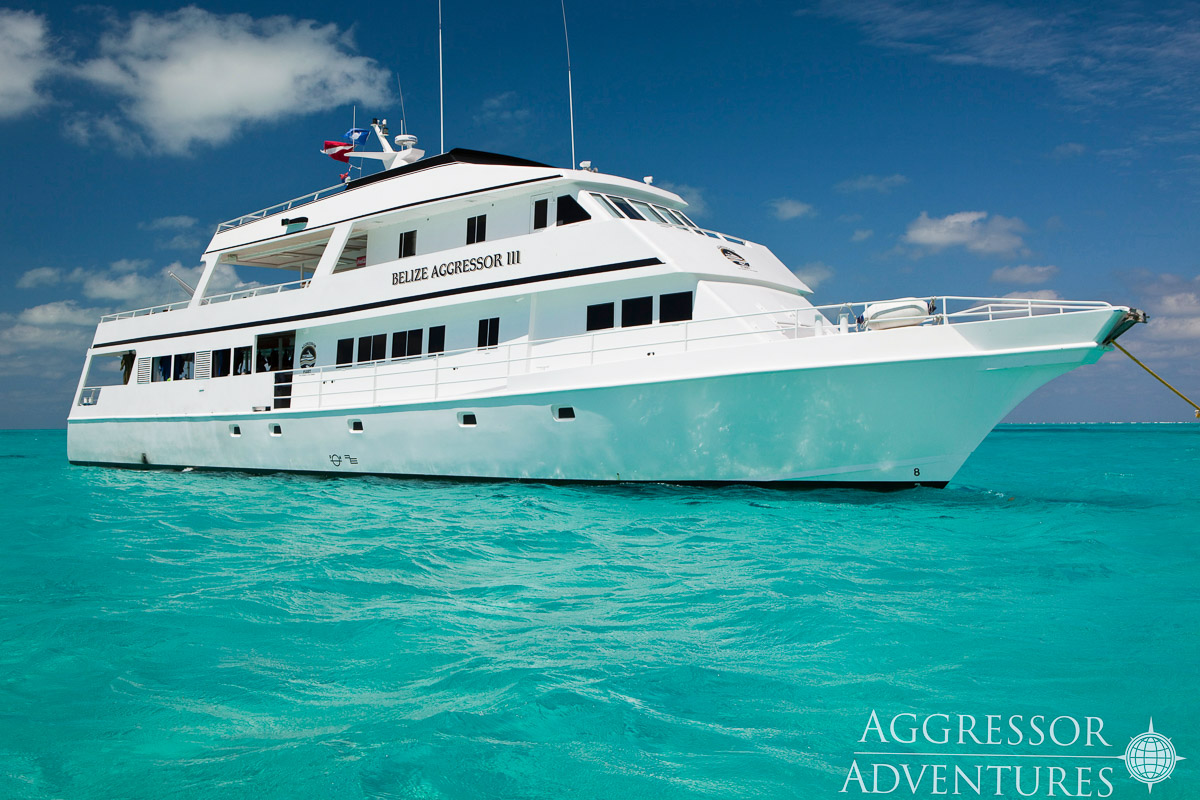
(198, 635)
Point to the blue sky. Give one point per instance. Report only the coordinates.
(880, 148)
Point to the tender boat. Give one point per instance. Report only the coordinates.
(472, 315)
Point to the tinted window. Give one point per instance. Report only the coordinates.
(372, 348)
(647, 212)
(541, 213)
(243, 360)
(675, 307)
(160, 368)
(608, 206)
(570, 211)
(489, 332)
(437, 339)
(626, 209)
(637, 311)
(185, 367)
(408, 244)
(221, 363)
(345, 352)
(601, 316)
(477, 229)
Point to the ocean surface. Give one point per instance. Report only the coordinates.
(220, 635)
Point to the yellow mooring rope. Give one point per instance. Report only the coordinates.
(1160, 380)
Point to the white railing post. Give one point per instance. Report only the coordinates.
(437, 365)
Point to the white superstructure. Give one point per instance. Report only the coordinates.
(474, 315)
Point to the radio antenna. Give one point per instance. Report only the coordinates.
(570, 91)
(441, 94)
(401, 90)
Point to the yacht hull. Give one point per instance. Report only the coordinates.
(878, 424)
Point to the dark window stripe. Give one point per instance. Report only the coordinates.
(570, 273)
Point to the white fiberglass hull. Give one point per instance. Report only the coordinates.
(899, 422)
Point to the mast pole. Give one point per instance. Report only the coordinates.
(570, 91)
(441, 94)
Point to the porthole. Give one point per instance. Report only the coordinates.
(467, 419)
(563, 413)
(356, 425)
(235, 430)
(276, 429)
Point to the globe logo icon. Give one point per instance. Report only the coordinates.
(1150, 757)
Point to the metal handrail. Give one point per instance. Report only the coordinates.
(274, 288)
(141, 312)
(436, 373)
(263, 213)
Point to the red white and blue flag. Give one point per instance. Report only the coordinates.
(338, 151)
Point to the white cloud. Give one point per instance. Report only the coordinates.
(862, 234)
(39, 276)
(1025, 274)
(192, 77)
(786, 208)
(694, 196)
(974, 230)
(181, 222)
(60, 312)
(872, 183)
(1173, 303)
(1068, 150)
(503, 109)
(1035, 294)
(814, 273)
(25, 61)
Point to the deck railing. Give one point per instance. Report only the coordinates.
(256, 291)
(278, 207)
(461, 373)
(141, 312)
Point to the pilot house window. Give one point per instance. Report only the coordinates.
(637, 311)
(600, 316)
(541, 213)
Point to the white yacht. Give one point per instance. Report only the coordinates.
(472, 315)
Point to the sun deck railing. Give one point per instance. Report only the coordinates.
(469, 371)
(278, 207)
(142, 312)
(256, 291)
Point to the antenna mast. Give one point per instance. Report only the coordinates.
(570, 91)
(441, 95)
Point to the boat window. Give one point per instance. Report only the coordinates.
(276, 351)
(648, 212)
(688, 220)
(243, 361)
(477, 229)
(110, 369)
(406, 343)
(489, 332)
(185, 367)
(600, 316)
(608, 206)
(569, 211)
(675, 307)
(637, 311)
(222, 363)
(408, 244)
(626, 209)
(564, 412)
(235, 430)
(345, 352)
(372, 348)
(437, 339)
(541, 213)
(671, 219)
(467, 419)
(160, 369)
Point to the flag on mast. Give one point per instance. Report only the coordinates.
(338, 151)
(358, 135)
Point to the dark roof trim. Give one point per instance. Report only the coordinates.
(395, 301)
(386, 210)
(456, 156)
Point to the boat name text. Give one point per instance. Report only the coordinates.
(456, 267)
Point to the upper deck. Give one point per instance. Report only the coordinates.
(462, 222)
